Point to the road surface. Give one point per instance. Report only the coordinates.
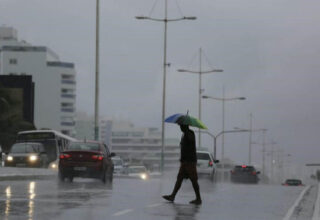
(138, 199)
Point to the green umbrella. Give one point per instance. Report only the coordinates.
(183, 119)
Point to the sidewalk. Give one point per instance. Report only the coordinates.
(14, 173)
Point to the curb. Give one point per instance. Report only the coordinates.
(27, 177)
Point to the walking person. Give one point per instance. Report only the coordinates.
(188, 165)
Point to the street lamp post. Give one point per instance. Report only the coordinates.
(165, 20)
(200, 72)
(264, 130)
(214, 137)
(96, 102)
(215, 145)
(223, 99)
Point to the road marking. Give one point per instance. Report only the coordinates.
(317, 206)
(122, 212)
(296, 203)
(154, 205)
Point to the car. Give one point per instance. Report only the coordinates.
(27, 155)
(206, 165)
(293, 182)
(118, 165)
(87, 159)
(138, 171)
(244, 174)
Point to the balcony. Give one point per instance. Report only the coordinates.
(71, 96)
(67, 81)
(67, 123)
(67, 110)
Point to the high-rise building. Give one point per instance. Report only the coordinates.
(55, 81)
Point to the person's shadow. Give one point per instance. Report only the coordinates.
(185, 211)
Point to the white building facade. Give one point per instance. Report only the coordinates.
(143, 145)
(55, 82)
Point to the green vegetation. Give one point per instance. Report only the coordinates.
(11, 116)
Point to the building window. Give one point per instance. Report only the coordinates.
(13, 61)
(67, 93)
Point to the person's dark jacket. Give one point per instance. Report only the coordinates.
(188, 147)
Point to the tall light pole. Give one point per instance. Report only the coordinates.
(264, 130)
(96, 103)
(250, 140)
(223, 99)
(200, 72)
(165, 20)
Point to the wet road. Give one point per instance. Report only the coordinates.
(138, 199)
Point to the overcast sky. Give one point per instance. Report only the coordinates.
(269, 50)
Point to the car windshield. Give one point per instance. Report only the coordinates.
(25, 148)
(137, 169)
(84, 146)
(203, 156)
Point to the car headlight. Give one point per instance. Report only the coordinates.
(143, 176)
(33, 158)
(9, 158)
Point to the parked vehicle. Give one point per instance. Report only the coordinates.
(138, 172)
(293, 182)
(88, 159)
(206, 165)
(27, 155)
(244, 174)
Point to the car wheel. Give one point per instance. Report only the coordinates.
(61, 177)
(103, 177)
(70, 179)
(111, 177)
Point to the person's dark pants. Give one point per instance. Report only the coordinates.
(188, 170)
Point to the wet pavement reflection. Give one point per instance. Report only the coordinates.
(135, 200)
(33, 200)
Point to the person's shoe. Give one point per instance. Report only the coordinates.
(168, 197)
(196, 202)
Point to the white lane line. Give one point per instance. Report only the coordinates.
(122, 212)
(296, 203)
(154, 205)
(317, 206)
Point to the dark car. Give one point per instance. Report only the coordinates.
(27, 155)
(244, 174)
(89, 159)
(292, 182)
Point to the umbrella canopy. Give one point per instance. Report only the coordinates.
(183, 119)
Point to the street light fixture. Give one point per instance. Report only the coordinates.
(200, 72)
(219, 134)
(223, 99)
(165, 64)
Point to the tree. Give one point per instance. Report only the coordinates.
(11, 118)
